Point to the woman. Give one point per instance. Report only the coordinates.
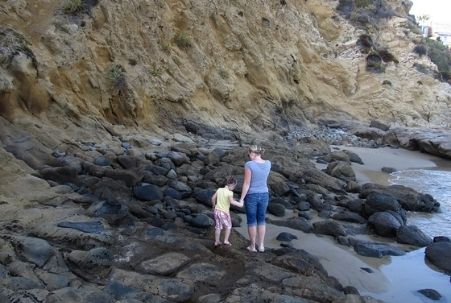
(255, 195)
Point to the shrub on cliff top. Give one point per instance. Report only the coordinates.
(440, 54)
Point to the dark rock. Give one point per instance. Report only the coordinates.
(441, 239)
(353, 187)
(379, 125)
(59, 174)
(93, 227)
(159, 180)
(281, 201)
(412, 235)
(286, 237)
(367, 269)
(113, 212)
(341, 170)
(349, 217)
(148, 192)
(178, 158)
(126, 145)
(34, 250)
(276, 209)
(295, 223)
(236, 221)
(353, 157)
(339, 156)
(215, 156)
(204, 196)
(303, 206)
(355, 205)
(173, 193)
(328, 227)
(350, 290)
(165, 163)
(388, 170)
(278, 184)
(305, 215)
(199, 220)
(128, 177)
(315, 201)
(407, 197)
(128, 162)
(157, 170)
(439, 254)
(376, 250)
(379, 202)
(301, 262)
(102, 161)
(325, 213)
(385, 223)
(181, 187)
(431, 294)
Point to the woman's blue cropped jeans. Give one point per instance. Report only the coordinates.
(256, 205)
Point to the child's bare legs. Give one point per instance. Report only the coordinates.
(226, 236)
(217, 235)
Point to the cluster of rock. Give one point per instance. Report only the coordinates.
(136, 226)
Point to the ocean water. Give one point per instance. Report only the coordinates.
(436, 183)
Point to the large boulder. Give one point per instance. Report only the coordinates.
(276, 209)
(439, 254)
(148, 192)
(376, 250)
(349, 217)
(278, 184)
(379, 202)
(341, 170)
(295, 223)
(328, 227)
(410, 234)
(408, 198)
(385, 223)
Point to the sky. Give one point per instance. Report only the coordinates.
(439, 11)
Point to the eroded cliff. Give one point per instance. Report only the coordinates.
(247, 65)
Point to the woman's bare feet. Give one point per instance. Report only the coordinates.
(227, 243)
(251, 249)
(217, 244)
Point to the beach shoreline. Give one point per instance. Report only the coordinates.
(371, 276)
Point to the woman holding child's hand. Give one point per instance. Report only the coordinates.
(255, 195)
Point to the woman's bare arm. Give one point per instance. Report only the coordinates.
(246, 183)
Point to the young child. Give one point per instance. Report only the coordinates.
(221, 201)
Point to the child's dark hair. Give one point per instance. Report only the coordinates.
(231, 181)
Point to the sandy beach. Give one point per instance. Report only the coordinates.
(380, 278)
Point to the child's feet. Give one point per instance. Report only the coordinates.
(261, 249)
(251, 248)
(227, 243)
(217, 244)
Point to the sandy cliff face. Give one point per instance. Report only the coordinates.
(240, 64)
